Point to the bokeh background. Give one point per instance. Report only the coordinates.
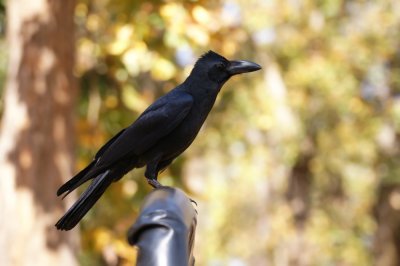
(297, 164)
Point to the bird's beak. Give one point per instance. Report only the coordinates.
(238, 67)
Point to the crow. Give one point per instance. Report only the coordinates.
(160, 134)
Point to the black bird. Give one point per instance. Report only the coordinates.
(161, 133)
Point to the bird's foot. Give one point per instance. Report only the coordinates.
(154, 183)
(192, 201)
(195, 205)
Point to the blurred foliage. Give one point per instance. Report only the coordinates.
(328, 93)
(327, 98)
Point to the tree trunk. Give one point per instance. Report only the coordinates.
(36, 144)
(298, 196)
(299, 188)
(387, 235)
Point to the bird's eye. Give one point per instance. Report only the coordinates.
(220, 66)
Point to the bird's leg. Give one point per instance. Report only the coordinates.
(151, 175)
(154, 183)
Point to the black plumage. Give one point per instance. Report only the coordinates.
(161, 133)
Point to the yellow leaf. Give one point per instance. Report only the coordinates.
(122, 41)
(93, 22)
(163, 69)
(132, 99)
(137, 59)
(201, 15)
(111, 101)
(102, 238)
(198, 34)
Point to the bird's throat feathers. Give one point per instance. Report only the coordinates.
(201, 86)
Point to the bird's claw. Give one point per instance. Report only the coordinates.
(154, 183)
(192, 201)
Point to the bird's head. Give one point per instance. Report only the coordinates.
(219, 69)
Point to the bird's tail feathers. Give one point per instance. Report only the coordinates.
(76, 181)
(85, 202)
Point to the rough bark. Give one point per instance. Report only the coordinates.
(299, 188)
(387, 235)
(36, 132)
(298, 196)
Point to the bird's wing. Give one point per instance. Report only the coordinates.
(157, 121)
(82, 176)
(107, 145)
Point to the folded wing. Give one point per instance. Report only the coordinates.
(157, 121)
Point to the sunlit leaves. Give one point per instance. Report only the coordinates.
(203, 17)
(132, 99)
(163, 69)
(122, 41)
(137, 59)
(113, 249)
(309, 100)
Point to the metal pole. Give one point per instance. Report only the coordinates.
(164, 231)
